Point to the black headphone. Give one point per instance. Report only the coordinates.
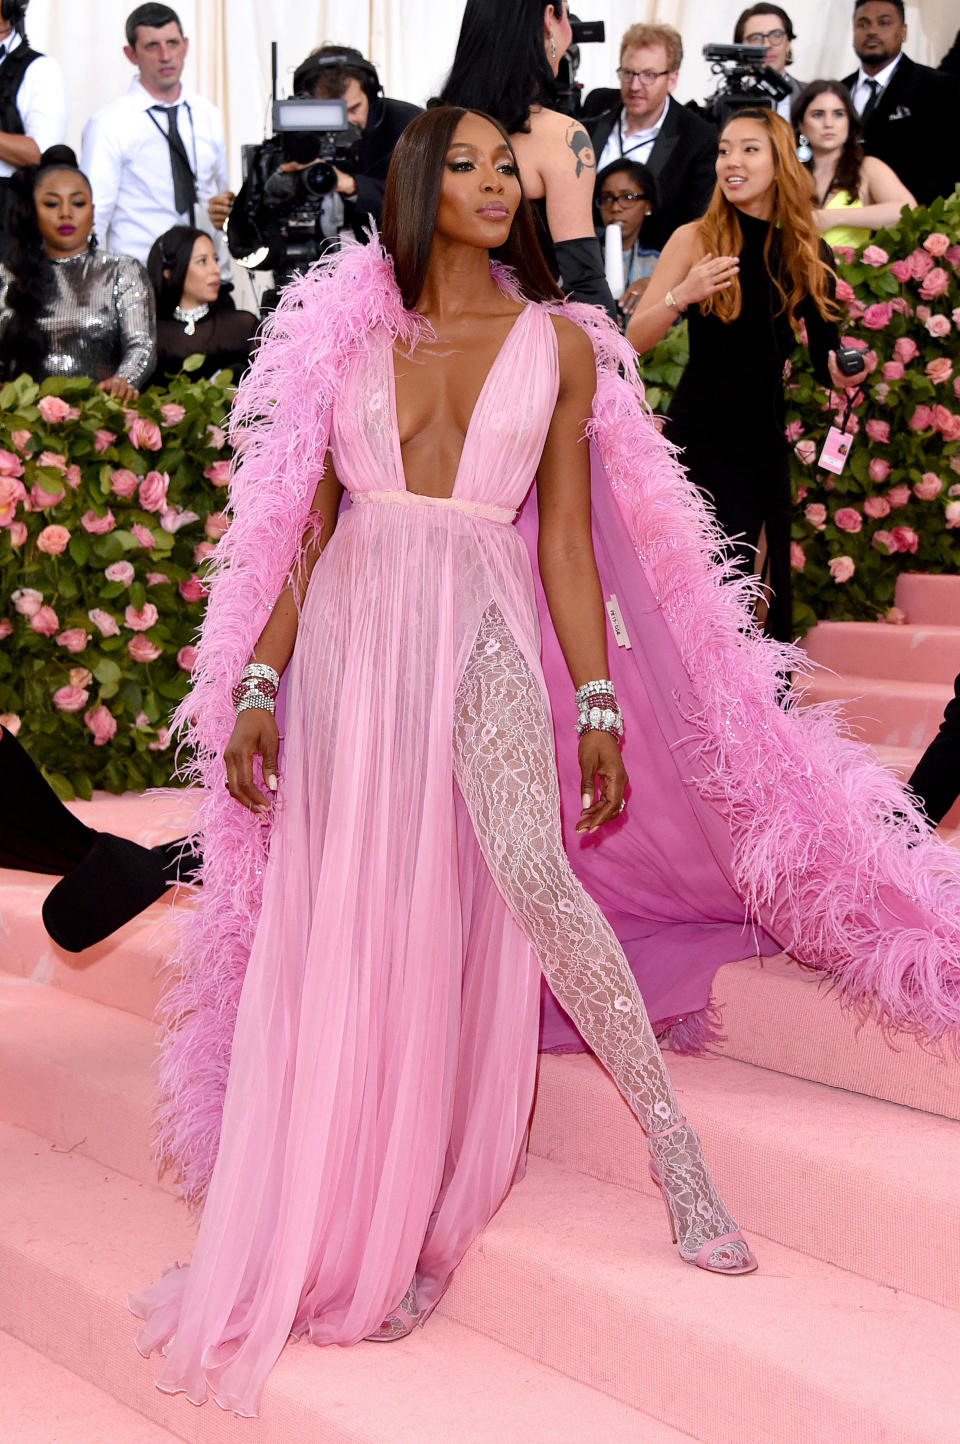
(15, 11)
(348, 59)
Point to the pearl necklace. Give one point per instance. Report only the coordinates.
(190, 318)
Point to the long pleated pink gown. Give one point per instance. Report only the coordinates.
(384, 1058)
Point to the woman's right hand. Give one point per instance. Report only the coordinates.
(254, 733)
(709, 275)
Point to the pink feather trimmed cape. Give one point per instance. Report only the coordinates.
(749, 828)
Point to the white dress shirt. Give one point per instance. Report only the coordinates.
(41, 100)
(127, 159)
(631, 144)
(862, 91)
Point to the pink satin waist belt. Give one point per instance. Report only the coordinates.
(413, 498)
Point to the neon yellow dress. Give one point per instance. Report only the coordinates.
(856, 236)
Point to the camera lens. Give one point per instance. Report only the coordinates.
(318, 179)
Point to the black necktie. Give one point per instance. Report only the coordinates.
(184, 181)
(871, 104)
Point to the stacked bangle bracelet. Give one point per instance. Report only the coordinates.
(597, 709)
(257, 688)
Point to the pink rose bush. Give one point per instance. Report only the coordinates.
(70, 699)
(842, 569)
(53, 540)
(54, 409)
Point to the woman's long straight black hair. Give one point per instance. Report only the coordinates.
(413, 195)
(500, 66)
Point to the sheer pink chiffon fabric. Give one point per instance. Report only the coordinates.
(384, 1058)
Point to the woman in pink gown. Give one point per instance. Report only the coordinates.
(384, 1053)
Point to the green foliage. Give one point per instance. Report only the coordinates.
(106, 519)
(896, 505)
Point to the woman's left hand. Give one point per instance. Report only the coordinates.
(119, 388)
(840, 381)
(628, 301)
(601, 770)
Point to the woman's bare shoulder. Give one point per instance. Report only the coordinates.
(574, 348)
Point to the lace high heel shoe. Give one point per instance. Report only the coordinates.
(401, 1322)
(702, 1228)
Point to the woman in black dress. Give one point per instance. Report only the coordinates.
(751, 275)
(193, 314)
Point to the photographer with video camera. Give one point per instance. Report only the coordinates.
(324, 170)
(33, 106)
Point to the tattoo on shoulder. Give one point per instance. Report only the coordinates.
(579, 143)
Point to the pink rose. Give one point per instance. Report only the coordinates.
(11, 465)
(140, 721)
(119, 572)
(927, 487)
(935, 284)
(74, 639)
(856, 310)
(27, 600)
(218, 472)
(6, 627)
(192, 590)
(923, 314)
(801, 493)
(877, 316)
(202, 552)
(73, 476)
(187, 658)
(52, 458)
(874, 256)
(17, 532)
(217, 522)
(12, 491)
(102, 724)
(881, 391)
(142, 620)
(904, 349)
(878, 430)
(951, 514)
(143, 534)
(102, 439)
(123, 483)
(20, 440)
(172, 412)
(162, 742)
(792, 431)
(40, 499)
(947, 423)
(104, 623)
(894, 617)
(54, 409)
(11, 721)
(938, 326)
(953, 256)
(847, 519)
(905, 539)
(45, 621)
(844, 253)
(816, 514)
(921, 419)
(98, 525)
(876, 507)
(899, 495)
(883, 542)
(217, 436)
(144, 433)
(878, 469)
(798, 558)
(845, 291)
(842, 569)
(53, 540)
(940, 369)
(955, 316)
(903, 270)
(70, 699)
(937, 243)
(157, 579)
(921, 262)
(172, 520)
(141, 649)
(153, 490)
(80, 676)
(893, 371)
(806, 451)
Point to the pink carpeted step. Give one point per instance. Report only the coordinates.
(75, 1239)
(832, 1174)
(879, 710)
(780, 1016)
(929, 598)
(146, 817)
(43, 1403)
(925, 653)
(79, 1074)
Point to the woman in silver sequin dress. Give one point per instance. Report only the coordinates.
(66, 308)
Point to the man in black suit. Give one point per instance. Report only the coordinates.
(910, 113)
(643, 122)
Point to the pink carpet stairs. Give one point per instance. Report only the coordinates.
(572, 1317)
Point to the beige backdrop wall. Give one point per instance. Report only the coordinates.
(411, 41)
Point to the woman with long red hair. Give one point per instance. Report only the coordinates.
(751, 275)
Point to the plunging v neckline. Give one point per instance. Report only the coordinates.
(392, 389)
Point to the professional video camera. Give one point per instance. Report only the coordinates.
(745, 80)
(283, 219)
(570, 96)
